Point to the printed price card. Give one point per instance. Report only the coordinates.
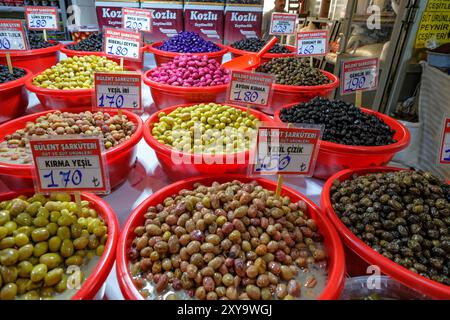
(70, 163)
(137, 19)
(359, 75)
(42, 18)
(12, 35)
(312, 43)
(281, 150)
(445, 145)
(122, 44)
(249, 88)
(283, 23)
(118, 90)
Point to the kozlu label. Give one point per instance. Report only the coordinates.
(242, 22)
(205, 20)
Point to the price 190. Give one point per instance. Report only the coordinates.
(355, 83)
(73, 177)
(111, 101)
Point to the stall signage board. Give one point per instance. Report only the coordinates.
(445, 145)
(434, 24)
(69, 164)
(249, 88)
(122, 44)
(118, 90)
(42, 18)
(359, 75)
(12, 35)
(282, 150)
(137, 19)
(312, 43)
(283, 24)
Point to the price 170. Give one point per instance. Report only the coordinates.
(111, 101)
(63, 178)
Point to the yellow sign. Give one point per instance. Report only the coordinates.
(435, 24)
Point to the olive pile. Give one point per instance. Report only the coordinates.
(294, 72)
(39, 238)
(403, 215)
(344, 123)
(74, 73)
(255, 45)
(37, 42)
(93, 43)
(226, 241)
(114, 130)
(6, 76)
(206, 128)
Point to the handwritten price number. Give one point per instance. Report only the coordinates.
(120, 51)
(447, 155)
(5, 44)
(134, 25)
(280, 28)
(38, 23)
(356, 83)
(74, 176)
(307, 50)
(248, 96)
(273, 163)
(115, 101)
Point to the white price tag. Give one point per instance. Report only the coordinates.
(445, 145)
(312, 43)
(282, 150)
(42, 18)
(283, 23)
(69, 163)
(359, 75)
(12, 35)
(122, 44)
(137, 19)
(118, 90)
(248, 88)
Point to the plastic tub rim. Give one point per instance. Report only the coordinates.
(112, 152)
(335, 276)
(342, 148)
(64, 49)
(32, 52)
(328, 86)
(153, 49)
(365, 252)
(292, 50)
(18, 82)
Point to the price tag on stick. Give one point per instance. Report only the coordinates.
(137, 19)
(122, 44)
(359, 75)
(312, 43)
(249, 88)
(286, 150)
(283, 24)
(42, 18)
(71, 163)
(444, 157)
(118, 90)
(12, 35)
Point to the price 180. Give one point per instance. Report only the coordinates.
(73, 177)
(111, 101)
(246, 96)
(117, 50)
(38, 23)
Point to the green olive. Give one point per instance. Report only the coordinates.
(81, 243)
(40, 234)
(9, 274)
(21, 239)
(9, 257)
(26, 251)
(51, 260)
(40, 248)
(54, 244)
(67, 248)
(38, 273)
(31, 295)
(24, 268)
(53, 277)
(8, 292)
(74, 260)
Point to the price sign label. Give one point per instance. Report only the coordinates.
(137, 19)
(12, 35)
(248, 88)
(69, 163)
(445, 145)
(283, 23)
(118, 90)
(122, 44)
(312, 43)
(359, 75)
(282, 150)
(42, 18)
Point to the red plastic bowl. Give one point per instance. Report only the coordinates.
(94, 282)
(14, 97)
(134, 65)
(167, 56)
(265, 58)
(165, 95)
(120, 159)
(283, 95)
(334, 157)
(333, 245)
(36, 60)
(363, 255)
(196, 164)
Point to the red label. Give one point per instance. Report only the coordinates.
(108, 16)
(12, 35)
(122, 44)
(444, 157)
(69, 164)
(249, 88)
(42, 18)
(137, 19)
(206, 22)
(118, 91)
(282, 150)
(242, 24)
(359, 75)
